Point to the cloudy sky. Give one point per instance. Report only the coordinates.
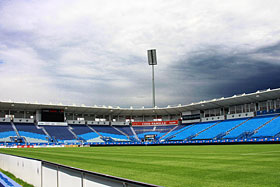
(94, 52)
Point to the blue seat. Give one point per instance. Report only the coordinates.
(248, 126)
(219, 129)
(108, 131)
(269, 130)
(30, 131)
(6, 131)
(192, 130)
(60, 133)
(84, 132)
(175, 131)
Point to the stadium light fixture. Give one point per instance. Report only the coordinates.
(152, 60)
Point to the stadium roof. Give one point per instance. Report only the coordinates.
(169, 110)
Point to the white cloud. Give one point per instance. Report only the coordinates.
(94, 52)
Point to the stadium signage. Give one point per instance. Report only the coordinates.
(147, 123)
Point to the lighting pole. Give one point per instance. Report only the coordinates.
(152, 60)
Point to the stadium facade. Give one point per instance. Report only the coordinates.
(253, 116)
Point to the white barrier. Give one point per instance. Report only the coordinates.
(241, 115)
(5, 119)
(191, 121)
(98, 122)
(46, 174)
(119, 123)
(23, 120)
(52, 123)
(28, 170)
(213, 118)
(76, 122)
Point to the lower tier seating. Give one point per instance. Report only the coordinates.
(31, 133)
(248, 127)
(6, 131)
(85, 133)
(108, 131)
(192, 130)
(59, 133)
(175, 130)
(219, 129)
(269, 130)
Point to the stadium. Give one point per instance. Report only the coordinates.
(131, 63)
(247, 118)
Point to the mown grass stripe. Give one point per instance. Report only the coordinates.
(213, 165)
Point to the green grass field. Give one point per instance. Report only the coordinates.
(211, 165)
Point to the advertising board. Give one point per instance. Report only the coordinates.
(151, 123)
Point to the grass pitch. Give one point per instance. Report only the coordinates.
(206, 165)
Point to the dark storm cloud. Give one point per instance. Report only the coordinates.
(219, 72)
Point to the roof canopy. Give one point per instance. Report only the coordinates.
(202, 105)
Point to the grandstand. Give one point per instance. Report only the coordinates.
(248, 116)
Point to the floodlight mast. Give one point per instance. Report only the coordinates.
(152, 60)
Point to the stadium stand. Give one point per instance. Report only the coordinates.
(85, 133)
(254, 127)
(220, 129)
(242, 117)
(128, 131)
(31, 133)
(164, 129)
(59, 133)
(174, 131)
(6, 131)
(108, 133)
(271, 129)
(192, 130)
(246, 129)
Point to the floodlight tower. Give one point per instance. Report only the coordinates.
(152, 60)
